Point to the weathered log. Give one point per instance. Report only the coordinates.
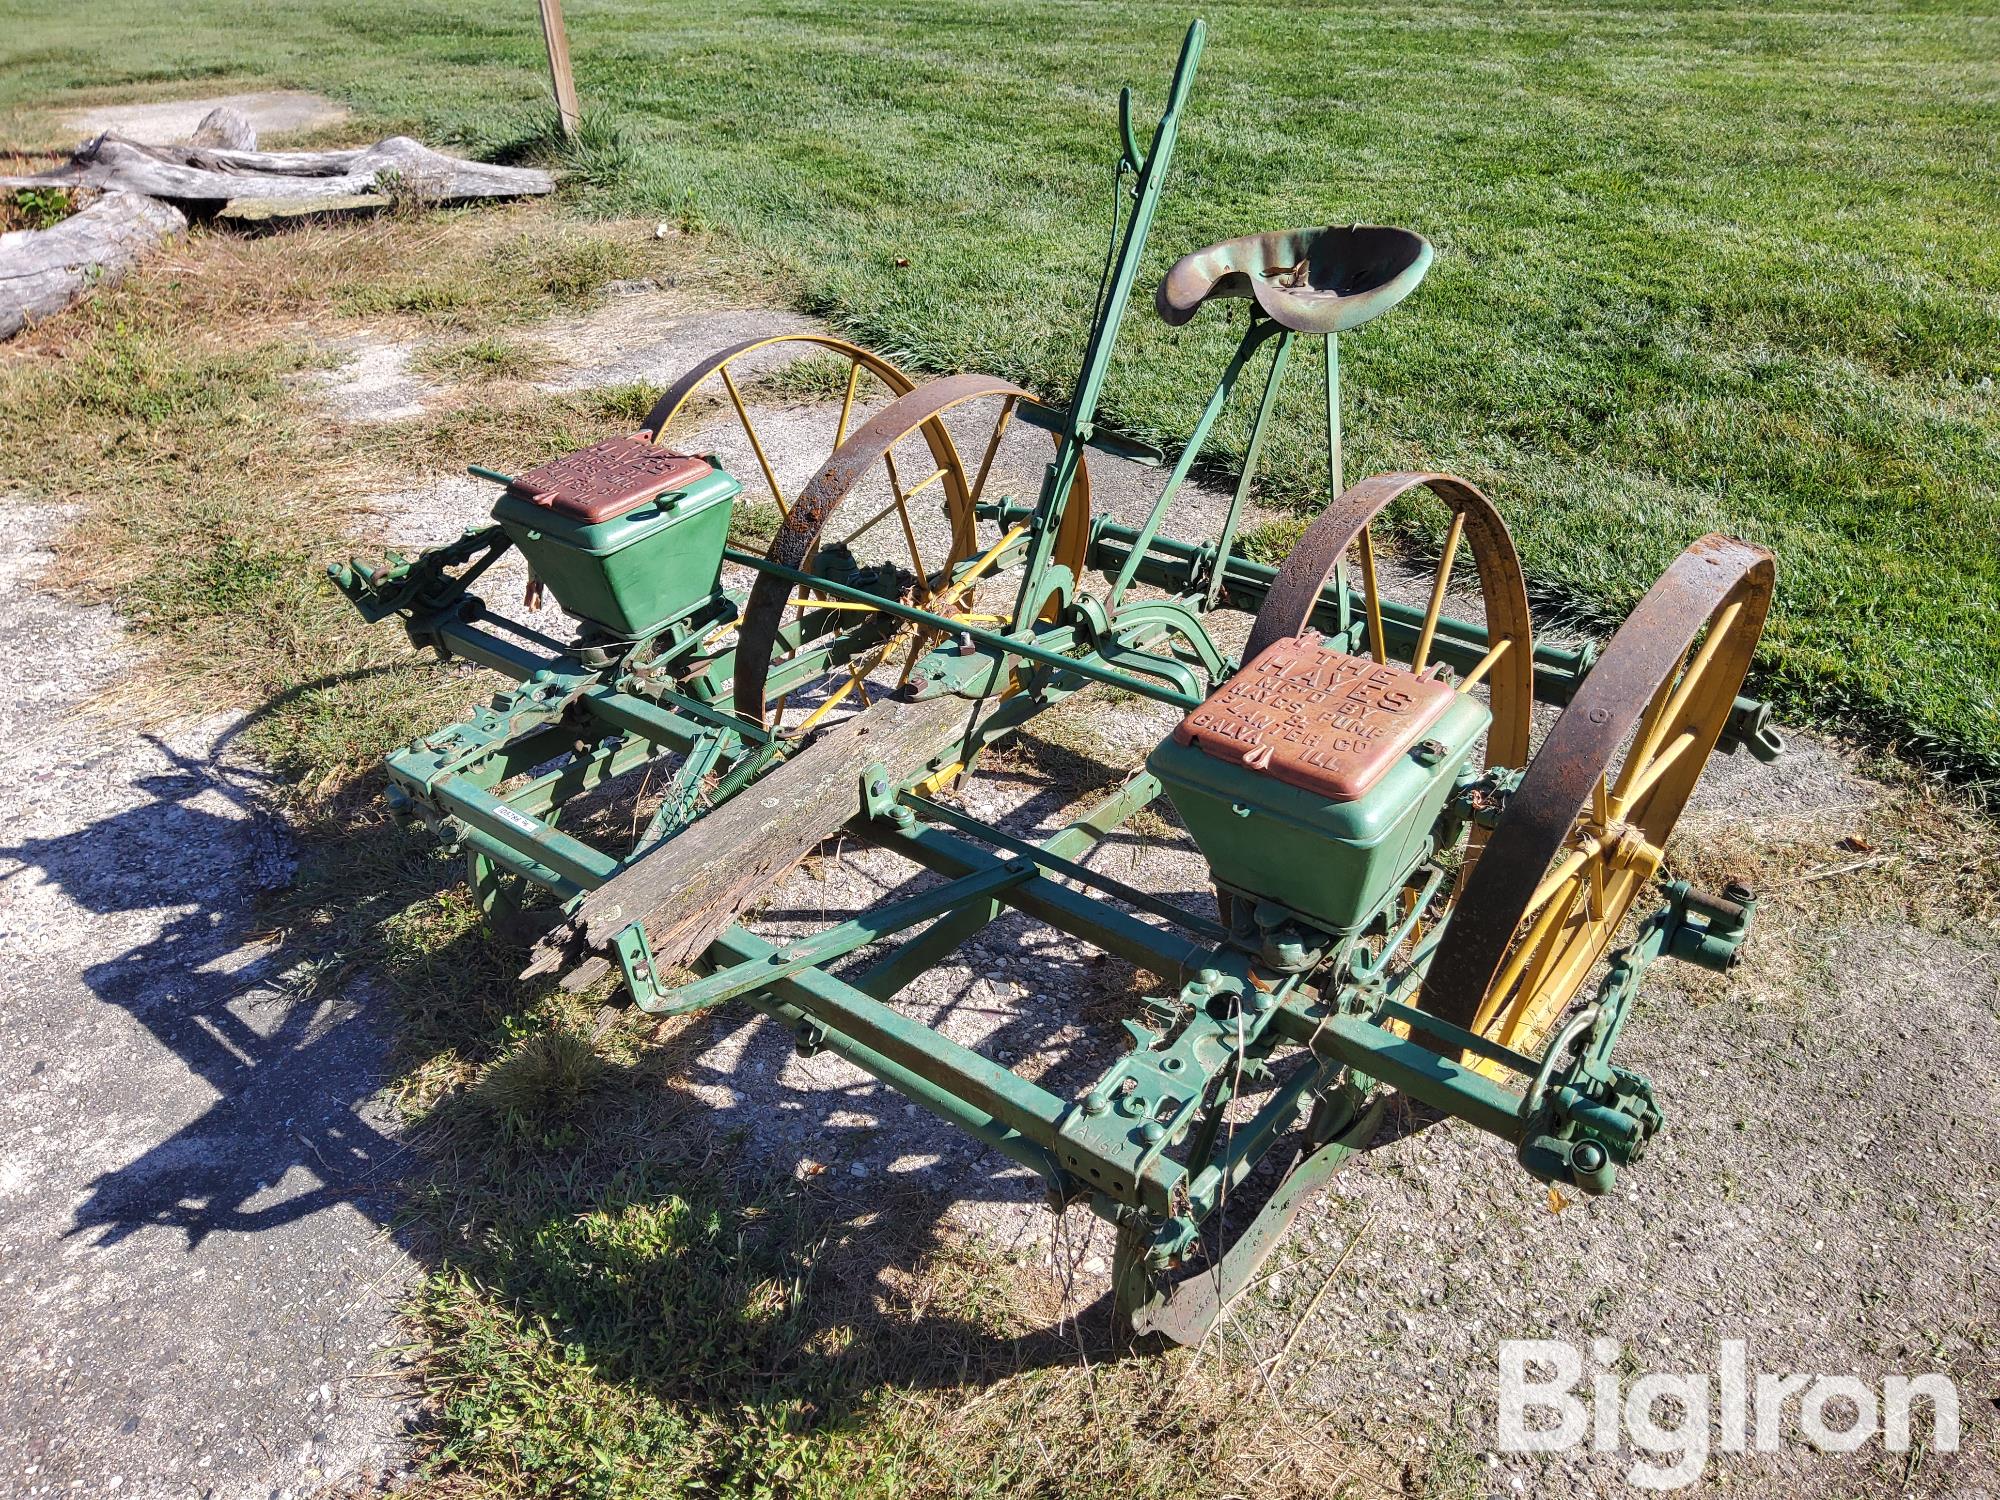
(397, 167)
(42, 271)
(688, 889)
(225, 127)
(266, 211)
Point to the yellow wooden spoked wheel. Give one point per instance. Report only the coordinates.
(865, 474)
(1583, 836)
(820, 365)
(919, 516)
(1345, 530)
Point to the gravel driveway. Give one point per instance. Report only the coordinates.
(196, 1284)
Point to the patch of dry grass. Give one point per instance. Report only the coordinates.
(210, 491)
(1911, 854)
(1906, 854)
(484, 358)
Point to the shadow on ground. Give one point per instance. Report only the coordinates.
(700, 1255)
(253, 1019)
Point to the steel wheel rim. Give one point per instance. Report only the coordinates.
(919, 411)
(1542, 904)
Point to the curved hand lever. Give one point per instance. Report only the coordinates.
(1133, 159)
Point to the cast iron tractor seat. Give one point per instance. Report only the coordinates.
(1308, 280)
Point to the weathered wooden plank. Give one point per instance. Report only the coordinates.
(688, 889)
(272, 210)
(568, 115)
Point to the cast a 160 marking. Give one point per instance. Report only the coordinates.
(1411, 893)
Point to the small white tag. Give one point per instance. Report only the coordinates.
(515, 819)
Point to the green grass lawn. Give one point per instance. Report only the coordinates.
(1699, 267)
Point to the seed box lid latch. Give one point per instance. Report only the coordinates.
(1320, 720)
(608, 479)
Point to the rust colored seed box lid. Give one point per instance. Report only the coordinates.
(1319, 720)
(608, 478)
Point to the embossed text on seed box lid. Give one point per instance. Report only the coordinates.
(608, 478)
(1320, 720)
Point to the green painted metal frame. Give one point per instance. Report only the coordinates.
(582, 715)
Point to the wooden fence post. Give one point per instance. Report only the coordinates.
(567, 113)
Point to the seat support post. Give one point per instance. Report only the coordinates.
(1335, 462)
(1275, 377)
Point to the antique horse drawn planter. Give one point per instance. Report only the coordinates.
(1408, 897)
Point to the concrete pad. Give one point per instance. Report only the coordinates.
(374, 381)
(168, 122)
(197, 1280)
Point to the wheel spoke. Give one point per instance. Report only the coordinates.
(1656, 708)
(1657, 767)
(986, 560)
(1671, 702)
(909, 531)
(953, 594)
(833, 700)
(1564, 869)
(1485, 664)
(1372, 593)
(993, 447)
(756, 444)
(867, 526)
(1525, 1017)
(1438, 588)
(1517, 961)
(847, 403)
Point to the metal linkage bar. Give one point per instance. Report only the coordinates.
(921, 954)
(1441, 1082)
(1075, 912)
(952, 1080)
(513, 862)
(796, 1002)
(1249, 1141)
(1115, 293)
(837, 942)
(1457, 1037)
(937, 812)
(570, 858)
(606, 763)
(1253, 338)
(1002, 645)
